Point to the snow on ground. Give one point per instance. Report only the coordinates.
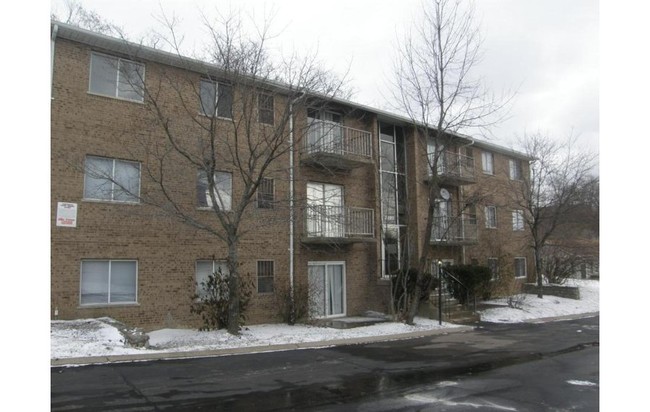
(550, 306)
(96, 337)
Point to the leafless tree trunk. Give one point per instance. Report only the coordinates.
(434, 86)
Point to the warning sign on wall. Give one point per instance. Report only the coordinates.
(66, 214)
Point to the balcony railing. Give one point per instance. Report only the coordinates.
(337, 223)
(454, 230)
(456, 168)
(336, 145)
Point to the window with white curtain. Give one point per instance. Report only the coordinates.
(108, 282)
(116, 77)
(520, 267)
(487, 159)
(205, 268)
(517, 220)
(222, 190)
(515, 169)
(216, 99)
(491, 217)
(111, 179)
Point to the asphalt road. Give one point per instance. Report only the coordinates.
(522, 367)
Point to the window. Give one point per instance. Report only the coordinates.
(222, 190)
(265, 194)
(111, 179)
(115, 77)
(515, 169)
(265, 276)
(517, 220)
(205, 268)
(265, 108)
(216, 98)
(488, 163)
(493, 265)
(520, 267)
(491, 217)
(108, 281)
(471, 214)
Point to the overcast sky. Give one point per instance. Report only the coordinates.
(545, 50)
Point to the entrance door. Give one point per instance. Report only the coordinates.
(326, 288)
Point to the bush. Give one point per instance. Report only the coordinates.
(475, 278)
(213, 304)
(300, 309)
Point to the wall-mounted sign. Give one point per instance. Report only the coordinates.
(66, 214)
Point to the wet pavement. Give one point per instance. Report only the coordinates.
(494, 367)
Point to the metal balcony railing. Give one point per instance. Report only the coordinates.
(325, 137)
(456, 166)
(339, 222)
(454, 230)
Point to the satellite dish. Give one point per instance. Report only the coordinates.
(444, 193)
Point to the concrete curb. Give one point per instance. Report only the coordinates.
(144, 357)
(565, 317)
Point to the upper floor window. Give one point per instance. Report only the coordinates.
(216, 99)
(111, 179)
(265, 195)
(265, 272)
(108, 282)
(487, 159)
(222, 190)
(517, 220)
(116, 77)
(491, 217)
(265, 108)
(515, 169)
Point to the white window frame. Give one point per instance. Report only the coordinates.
(223, 264)
(515, 169)
(487, 217)
(224, 198)
(111, 180)
(260, 109)
(257, 277)
(108, 280)
(525, 275)
(487, 162)
(517, 220)
(217, 85)
(119, 62)
(344, 286)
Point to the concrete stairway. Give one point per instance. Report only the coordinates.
(452, 311)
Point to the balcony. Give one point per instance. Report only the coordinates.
(455, 169)
(454, 231)
(338, 225)
(331, 145)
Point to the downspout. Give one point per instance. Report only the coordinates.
(55, 30)
(462, 192)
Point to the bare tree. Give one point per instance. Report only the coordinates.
(233, 126)
(76, 14)
(434, 86)
(560, 176)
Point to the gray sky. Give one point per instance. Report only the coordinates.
(545, 50)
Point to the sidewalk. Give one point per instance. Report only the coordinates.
(162, 355)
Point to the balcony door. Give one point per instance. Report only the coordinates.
(325, 132)
(325, 215)
(326, 288)
(441, 219)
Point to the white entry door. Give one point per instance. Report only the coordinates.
(327, 288)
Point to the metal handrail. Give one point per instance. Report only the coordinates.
(444, 305)
(339, 221)
(333, 138)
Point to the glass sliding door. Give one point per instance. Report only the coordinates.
(326, 288)
(325, 214)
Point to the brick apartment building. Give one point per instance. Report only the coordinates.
(359, 200)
